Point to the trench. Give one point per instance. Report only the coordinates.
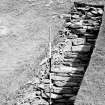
(76, 43)
(60, 77)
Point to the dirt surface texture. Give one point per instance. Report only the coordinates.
(24, 39)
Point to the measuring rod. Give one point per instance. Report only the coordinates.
(50, 101)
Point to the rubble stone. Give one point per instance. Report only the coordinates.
(78, 41)
(75, 16)
(81, 48)
(65, 84)
(100, 11)
(55, 96)
(63, 91)
(66, 69)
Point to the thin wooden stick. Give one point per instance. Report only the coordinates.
(50, 101)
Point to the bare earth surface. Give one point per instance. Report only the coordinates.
(24, 35)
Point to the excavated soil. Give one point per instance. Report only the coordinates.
(24, 39)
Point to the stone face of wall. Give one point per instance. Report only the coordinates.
(93, 86)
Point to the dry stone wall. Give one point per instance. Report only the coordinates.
(81, 28)
(60, 76)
